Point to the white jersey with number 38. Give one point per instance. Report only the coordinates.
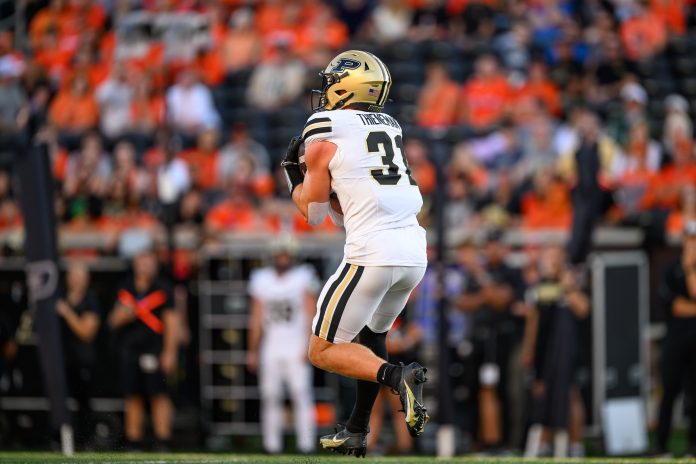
(282, 297)
(370, 175)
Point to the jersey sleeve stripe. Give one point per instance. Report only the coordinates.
(316, 120)
(342, 303)
(333, 301)
(310, 131)
(327, 297)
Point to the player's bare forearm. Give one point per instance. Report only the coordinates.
(298, 200)
(315, 188)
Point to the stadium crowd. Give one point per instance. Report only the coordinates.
(166, 115)
(176, 112)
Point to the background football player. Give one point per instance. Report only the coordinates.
(355, 151)
(283, 297)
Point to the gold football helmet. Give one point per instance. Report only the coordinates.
(354, 78)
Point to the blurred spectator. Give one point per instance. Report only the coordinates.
(241, 44)
(191, 209)
(146, 114)
(678, 126)
(557, 305)
(547, 205)
(610, 71)
(664, 189)
(80, 319)
(390, 21)
(540, 87)
(633, 169)
(87, 178)
(126, 178)
(672, 13)
(485, 96)
(74, 112)
(536, 143)
(644, 34)
(437, 102)
(490, 291)
(114, 97)
(678, 293)
(235, 213)
(203, 161)
(240, 147)
(323, 31)
(145, 323)
(514, 47)
(278, 80)
(590, 163)
(14, 110)
(190, 107)
(169, 174)
(422, 169)
(683, 213)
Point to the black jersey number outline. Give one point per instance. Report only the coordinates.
(392, 176)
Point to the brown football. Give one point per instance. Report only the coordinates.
(301, 159)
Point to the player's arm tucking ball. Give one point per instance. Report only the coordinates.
(312, 195)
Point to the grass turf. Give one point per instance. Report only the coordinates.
(147, 458)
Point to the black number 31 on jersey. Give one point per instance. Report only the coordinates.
(390, 174)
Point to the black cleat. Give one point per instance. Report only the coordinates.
(346, 442)
(410, 392)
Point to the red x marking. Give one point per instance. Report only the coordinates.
(143, 308)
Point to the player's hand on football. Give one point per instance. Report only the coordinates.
(292, 155)
(252, 361)
(168, 362)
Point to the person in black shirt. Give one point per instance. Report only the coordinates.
(490, 291)
(557, 305)
(678, 293)
(80, 318)
(145, 324)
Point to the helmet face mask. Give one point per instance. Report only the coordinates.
(354, 79)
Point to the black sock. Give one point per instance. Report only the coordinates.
(389, 375)
(367, 392)
(365, 397)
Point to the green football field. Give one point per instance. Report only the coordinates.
(147, 458)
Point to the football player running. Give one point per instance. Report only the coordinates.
(356, 173)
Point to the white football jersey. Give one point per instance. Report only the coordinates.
(286, 324)
(371, 177)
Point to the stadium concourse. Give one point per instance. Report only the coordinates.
(165, 121)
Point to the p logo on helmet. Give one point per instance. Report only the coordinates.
(345, 63)
(354, 79)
